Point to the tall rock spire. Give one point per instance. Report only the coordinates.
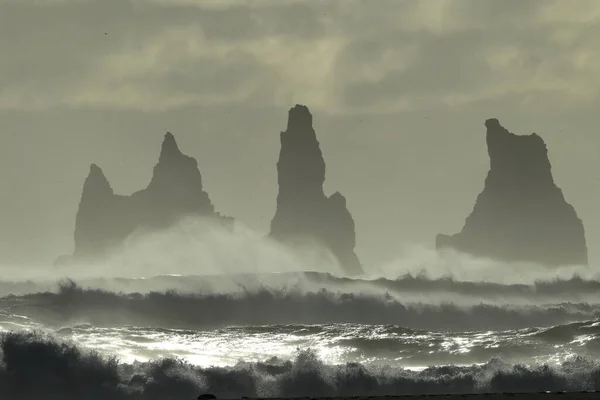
(104, 219)
(521, 215)
(303, 210)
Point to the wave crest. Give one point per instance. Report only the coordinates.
(266, 306)
(35, 364)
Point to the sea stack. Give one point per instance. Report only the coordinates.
(303, 210)
(105, 219)
(521, 215)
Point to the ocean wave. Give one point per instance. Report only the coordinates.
(335, 343)
(416, 288)
(37, 365)
(72, 304)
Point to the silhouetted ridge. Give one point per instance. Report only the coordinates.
(104, 220)
(521, 215)
(303, 210)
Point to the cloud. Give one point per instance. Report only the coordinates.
(343, 56)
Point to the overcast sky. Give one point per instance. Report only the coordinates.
(399, 91)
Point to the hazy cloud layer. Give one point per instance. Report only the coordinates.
(399, 91)
(339, 56)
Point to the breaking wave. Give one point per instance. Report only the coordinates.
(37, 365)
(266, 306)
(408, 286)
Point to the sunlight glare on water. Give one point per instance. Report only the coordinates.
(376, 345)
(205, 348)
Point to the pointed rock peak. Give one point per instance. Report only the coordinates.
(97, 179)
(169, 148)
(338, 198)
(299, 117)
(96, 170)
(96, 174)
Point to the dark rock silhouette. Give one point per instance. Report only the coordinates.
(303, 210)
(521, 215)
(207, 396)
(105, 219)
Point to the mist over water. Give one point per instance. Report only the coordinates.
(194, 246)
(200, 308)
(200, 247)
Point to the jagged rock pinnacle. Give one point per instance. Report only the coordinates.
(303, 210)
(521, 215)
(105, 220)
